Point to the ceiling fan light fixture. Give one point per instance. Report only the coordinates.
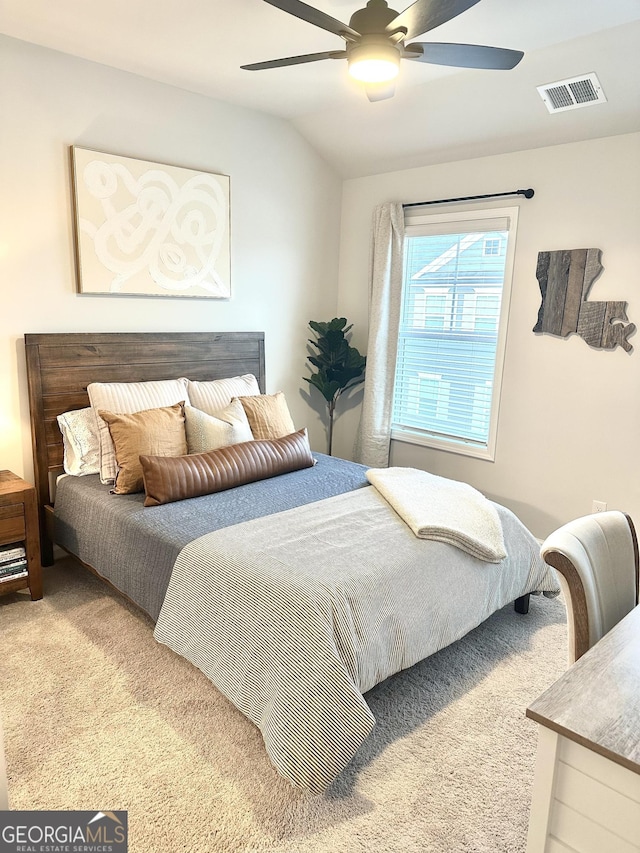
(375, 42)
(374, 63)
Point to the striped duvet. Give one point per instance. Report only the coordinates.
(296, 615)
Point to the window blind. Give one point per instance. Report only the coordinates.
(449, 337)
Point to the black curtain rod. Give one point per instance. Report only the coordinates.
(526, 193)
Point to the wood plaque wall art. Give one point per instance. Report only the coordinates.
(565, 278)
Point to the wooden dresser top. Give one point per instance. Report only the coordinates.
(597, 701)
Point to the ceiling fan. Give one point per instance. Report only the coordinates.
(375, 41)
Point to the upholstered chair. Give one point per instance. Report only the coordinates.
(596, 558)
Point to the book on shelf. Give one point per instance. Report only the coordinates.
(13, 568)
(11, 552)
(14, 576)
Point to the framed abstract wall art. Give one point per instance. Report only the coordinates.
(147, 229)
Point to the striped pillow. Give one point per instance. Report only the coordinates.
(125, 398)
(216, 394)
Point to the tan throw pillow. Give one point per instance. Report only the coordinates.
(168, 479)
(268, 415)
(159, 432)
(208, 432)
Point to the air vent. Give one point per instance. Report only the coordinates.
(572, 94)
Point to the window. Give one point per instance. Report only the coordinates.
(491, 246)
(455, 301)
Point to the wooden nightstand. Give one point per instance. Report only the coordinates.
(19, 526)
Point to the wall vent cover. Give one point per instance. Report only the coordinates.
(572, 94)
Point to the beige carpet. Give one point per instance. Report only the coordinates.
(98, 716)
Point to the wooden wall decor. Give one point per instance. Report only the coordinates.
(565, 278)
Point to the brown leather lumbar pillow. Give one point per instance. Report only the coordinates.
(168, 479)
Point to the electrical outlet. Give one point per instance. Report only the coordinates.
(599, 506)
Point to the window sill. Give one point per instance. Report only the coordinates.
(448, 445)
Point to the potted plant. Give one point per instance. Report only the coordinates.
(340, 366)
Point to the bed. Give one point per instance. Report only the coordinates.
(294, 594)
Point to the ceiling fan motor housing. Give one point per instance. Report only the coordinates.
(374, 46)
(374, 18)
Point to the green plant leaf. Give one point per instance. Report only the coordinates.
(354, 360)
(320, 328)
(338, 324)
(339, 365)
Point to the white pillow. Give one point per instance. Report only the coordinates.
(209, 432)
(216, 394)
(126, 398)
(80, 442)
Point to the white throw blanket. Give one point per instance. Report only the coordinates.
(446, 510)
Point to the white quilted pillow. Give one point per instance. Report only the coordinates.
(209, 432)
(80, 442)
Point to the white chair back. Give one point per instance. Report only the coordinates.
(597, 558)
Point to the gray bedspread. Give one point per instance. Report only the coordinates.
(295, 616)
(135, 547)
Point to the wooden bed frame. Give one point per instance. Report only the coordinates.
(61, 365)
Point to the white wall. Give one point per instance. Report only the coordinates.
(570, 415)
(569, 429)
(285, 204)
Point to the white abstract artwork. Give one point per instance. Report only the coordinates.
(147, 229)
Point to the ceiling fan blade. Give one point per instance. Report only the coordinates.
(315, 16)
(296, 60)
(464, 55)
(425, 15)
(380, 91)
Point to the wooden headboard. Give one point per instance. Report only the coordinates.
(60, 366)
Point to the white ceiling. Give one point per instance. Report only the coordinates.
(437, 114)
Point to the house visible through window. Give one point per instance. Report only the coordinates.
(457, 280)
(491, 246)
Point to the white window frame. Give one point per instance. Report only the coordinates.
(491, 243)
(417, 225)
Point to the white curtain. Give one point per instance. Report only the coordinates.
(385, 289)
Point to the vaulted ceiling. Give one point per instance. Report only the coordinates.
(438, 114)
